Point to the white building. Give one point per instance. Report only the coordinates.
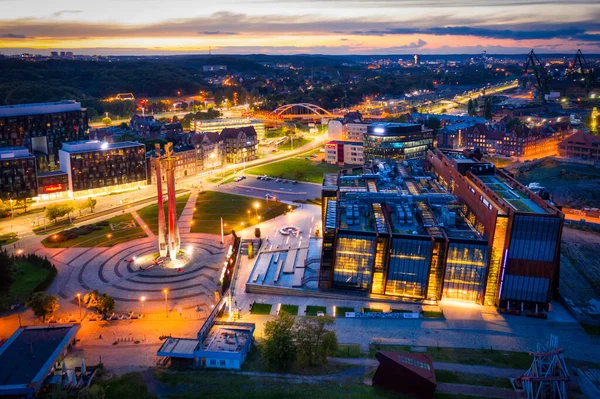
(217, 125)
(344, 130)
(344, 153)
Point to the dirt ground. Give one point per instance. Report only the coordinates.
(569, 184)
(580, 270)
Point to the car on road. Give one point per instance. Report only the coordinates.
(295, 182)
(239, 178)
(269, 196)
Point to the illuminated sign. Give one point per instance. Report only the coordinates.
(379, 130)
(52, 188)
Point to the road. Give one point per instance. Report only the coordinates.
(459, 100)
(252, 187)
(110, 205)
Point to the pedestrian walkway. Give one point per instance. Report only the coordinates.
(476, 390)
(187, 215)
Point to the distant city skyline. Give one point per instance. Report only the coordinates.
(302, 26)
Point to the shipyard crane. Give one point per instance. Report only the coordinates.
(542, 77)
(582, 68)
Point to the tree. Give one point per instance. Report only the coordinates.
(43, 304)
(433, 123)
(91, 203)
(107, 121)
(124, 125)
(94, 392)
(470, 107)
(278, 348)
(487, 108)
(91, 299)
(55, 211)
(106, 304)
(314, 342)
(7, 272)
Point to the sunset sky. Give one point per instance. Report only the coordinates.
(299, 26)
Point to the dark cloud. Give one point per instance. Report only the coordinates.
(217, 33)
(565, 33)
(11, 36)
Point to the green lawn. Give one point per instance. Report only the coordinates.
(348, 350)
(27, 277)
(101, 236)
(341, 311)
(591, 330)
(484, 357)
(298, 142)
(313, 310)
(372, 310)
(472, 379)
(433, 315)
(297, 168)
(289, 309)
(212, 205)
(131, 385)
(216, 385)
(261, 308)
(149, 214)
(8, 238)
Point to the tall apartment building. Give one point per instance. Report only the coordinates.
(17, 173)
(94, 167)
(42, 128)
(344, 153)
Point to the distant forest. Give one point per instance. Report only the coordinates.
(330, 81)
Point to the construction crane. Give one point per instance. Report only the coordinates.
(541, 75)
(587, 74)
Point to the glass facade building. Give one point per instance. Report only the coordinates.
(42, 128)
(97, 166)
(466, 269)
(17, 174)
(354, 261)
(396, 141)
(408, 271)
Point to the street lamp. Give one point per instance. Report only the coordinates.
(79, 302)
(142, 300)
(166, 291)
(256, 206)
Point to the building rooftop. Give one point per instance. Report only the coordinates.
(227, 337)
(14, 153)
(179, 346)
(39, 108)
(29, 354)
(95, 145)
(516, 198)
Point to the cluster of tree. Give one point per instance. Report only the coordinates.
(306, 342)
(53, 80)
(117, 109)
(209, 114)
(56, 211)
(103, 303)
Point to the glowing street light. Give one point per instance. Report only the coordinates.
(142, 300)
(166, 292)
(79, 302)
(256, 205)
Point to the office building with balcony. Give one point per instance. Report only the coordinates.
(42, 128)
(239, 144)
(396, 141)
(17, 174)
(94, 167)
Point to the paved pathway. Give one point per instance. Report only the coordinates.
(475, 390)
(460, 368)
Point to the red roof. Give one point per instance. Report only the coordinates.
(419, 363)
(583, 139)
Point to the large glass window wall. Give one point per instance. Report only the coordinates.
(354, 261)
(466, 268)
(409, 267)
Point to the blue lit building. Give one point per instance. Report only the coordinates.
(396, 141)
